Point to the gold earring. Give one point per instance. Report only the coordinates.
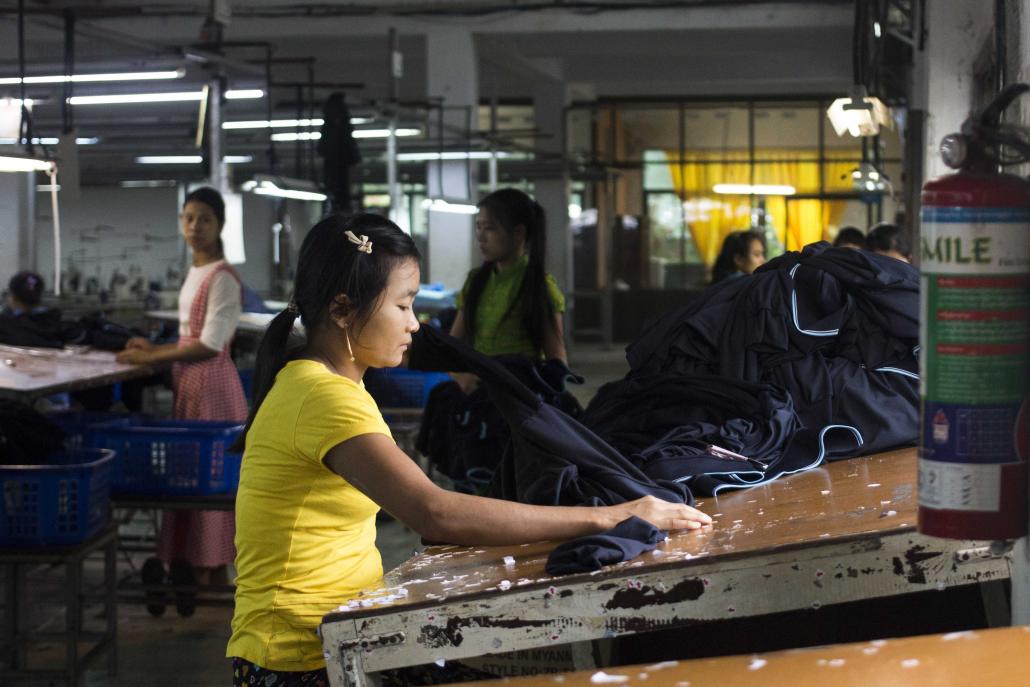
(349, 349)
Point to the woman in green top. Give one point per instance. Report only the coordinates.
(510, 304)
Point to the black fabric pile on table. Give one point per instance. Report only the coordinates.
(44, 328)
(813, 357)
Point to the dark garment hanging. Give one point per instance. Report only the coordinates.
(339, 152)
(552, 459)
(627, 540)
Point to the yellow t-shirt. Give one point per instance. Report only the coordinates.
(305, 538)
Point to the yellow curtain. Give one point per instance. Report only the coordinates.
(797, 222)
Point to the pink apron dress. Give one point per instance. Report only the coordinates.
(204, 390)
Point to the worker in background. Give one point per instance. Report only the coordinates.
(742, 253)
(510, 304)
(849, 237)
(197, 545)
(25, 321)
(320, 461)
(891, 240)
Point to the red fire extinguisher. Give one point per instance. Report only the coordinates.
(975, 321)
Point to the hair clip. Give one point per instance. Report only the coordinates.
(292, 308)
(362, 242)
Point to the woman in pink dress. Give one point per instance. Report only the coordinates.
(197, 545)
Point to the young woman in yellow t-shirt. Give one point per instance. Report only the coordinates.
(305, 538)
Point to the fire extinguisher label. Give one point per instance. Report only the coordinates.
(959, 487)
(975, 302)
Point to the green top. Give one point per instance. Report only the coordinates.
(496, 334)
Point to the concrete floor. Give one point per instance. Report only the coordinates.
(171, 650)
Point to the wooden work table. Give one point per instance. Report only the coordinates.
(30, 373)
(984, 657)
(843, 532)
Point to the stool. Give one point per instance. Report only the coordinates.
(15, 563)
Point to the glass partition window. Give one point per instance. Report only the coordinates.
(793, 177)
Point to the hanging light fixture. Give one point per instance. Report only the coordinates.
(282, 187)
(859, 114)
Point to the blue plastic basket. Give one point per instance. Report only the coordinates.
(63, 502)
(77, 425)
(398, 387)
(171, 457)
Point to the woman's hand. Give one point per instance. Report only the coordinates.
(134, 356)
(662, 514)
(138, 342)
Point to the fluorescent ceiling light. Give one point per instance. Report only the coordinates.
(52, 141)
(385, 133)
(245, 94)
(265, 186)
(358, 133)
(441, 205)
(170, 97)
(859, 115)
(188, 159)
(14, 163)
(285, 123)
(454, 155)
(755, 189)
(297, 136)
(147, 183)
(95, 78)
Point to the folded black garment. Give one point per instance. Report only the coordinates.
(625, 541)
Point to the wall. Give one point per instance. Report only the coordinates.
(109, 228)
(15, 237)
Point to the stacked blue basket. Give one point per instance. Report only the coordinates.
(63, 502)
(171, 457)
(159, 457)
(398, 387)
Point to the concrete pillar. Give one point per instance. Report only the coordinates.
(549, 101)
(959, 33)
(17, 228)
(451, 75)
(550, 97)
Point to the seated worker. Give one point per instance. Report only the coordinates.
(742, 253)
(891, 240)
(25, 322)
(849, 237)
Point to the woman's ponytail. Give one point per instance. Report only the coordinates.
(272, 356)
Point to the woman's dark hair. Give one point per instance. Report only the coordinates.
(330, 265)
(851, 236)
(213, 199)
(510, 207)
(886, 237)
(735, 245)
(27, 287)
